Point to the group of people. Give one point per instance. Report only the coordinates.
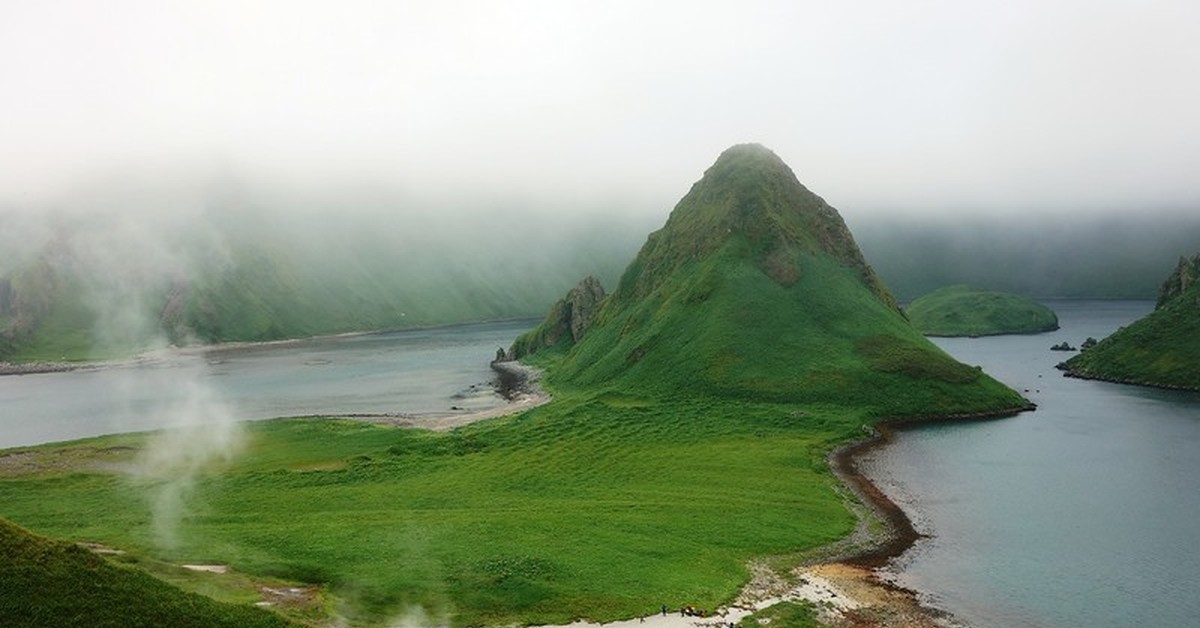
(690, 611)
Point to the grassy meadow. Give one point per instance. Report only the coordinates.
(601, 505)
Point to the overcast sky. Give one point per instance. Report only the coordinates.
(877, 106)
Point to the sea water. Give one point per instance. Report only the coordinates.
(1083, 513)
(412, 372)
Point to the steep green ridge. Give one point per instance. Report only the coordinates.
(966, 311)
(1161, 349)
(755, 289)
(53, 583)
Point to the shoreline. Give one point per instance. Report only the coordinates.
(860, 567)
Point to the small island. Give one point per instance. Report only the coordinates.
(1157, 350)
(966, 311)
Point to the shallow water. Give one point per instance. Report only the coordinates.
(419, 371)
(1083, 513)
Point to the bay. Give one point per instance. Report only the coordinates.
(413, 372)
(1082, 513)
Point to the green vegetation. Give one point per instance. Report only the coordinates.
(966, 311)
(1160, 349)
(52, 583)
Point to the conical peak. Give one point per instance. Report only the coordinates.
(749, 193)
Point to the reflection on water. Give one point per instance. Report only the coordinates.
(1082, 513)
(418, 371)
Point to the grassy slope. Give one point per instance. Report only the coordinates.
(52, 583)
(755, 290)
(964, 311)
(1161, 349)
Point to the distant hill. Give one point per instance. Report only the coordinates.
(756, 289)
(965, 311)
(1161, 349)
(53, 583)
(98, 289)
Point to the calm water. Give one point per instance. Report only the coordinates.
(1083, 513)
(412, 372)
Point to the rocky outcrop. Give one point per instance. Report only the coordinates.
(569, 319)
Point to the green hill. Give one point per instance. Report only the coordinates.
(53, 583)
(1161, 349)
(965, 311)
(755, 289)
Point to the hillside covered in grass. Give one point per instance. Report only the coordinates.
(54, 583)
(755, 289)
(1161, 349)
(965, 311)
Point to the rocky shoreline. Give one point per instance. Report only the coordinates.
(515, 379)
(33, 368)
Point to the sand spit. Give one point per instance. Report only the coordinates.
(518, 384)
(444, 422)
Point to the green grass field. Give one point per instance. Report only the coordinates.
(966, 311)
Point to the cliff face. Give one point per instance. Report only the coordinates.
(1186, 272)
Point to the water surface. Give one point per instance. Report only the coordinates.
(432, 370)
(1083, 513)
